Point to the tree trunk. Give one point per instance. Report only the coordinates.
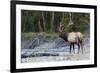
(24, 28)
(52, 21)
(39, 26)
(44, 23)
(62, 20)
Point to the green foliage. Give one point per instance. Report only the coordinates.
(28, 34)
(81, 22)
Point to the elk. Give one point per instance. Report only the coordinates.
(72, 38)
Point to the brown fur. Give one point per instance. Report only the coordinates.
(71, 37)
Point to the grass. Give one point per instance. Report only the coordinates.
(49, 35)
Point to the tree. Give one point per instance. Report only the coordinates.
(44, 22)
(52, 21)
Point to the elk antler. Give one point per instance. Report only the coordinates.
(61, 28)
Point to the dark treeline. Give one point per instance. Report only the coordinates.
(47, 21)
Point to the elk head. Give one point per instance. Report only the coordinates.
(62, 33)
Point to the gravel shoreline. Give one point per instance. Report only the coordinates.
(64, 57)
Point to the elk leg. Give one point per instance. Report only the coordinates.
(70, 47)
(73, 48)
(78, 48)
(81, 43)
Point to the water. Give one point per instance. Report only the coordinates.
(43, 45)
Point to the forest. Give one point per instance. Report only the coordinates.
(49, 21)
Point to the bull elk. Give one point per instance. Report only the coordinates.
(72, 38)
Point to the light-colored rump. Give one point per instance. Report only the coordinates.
(72, 37)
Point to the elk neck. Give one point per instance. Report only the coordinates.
(64, 36)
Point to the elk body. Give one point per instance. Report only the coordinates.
(72, 38)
